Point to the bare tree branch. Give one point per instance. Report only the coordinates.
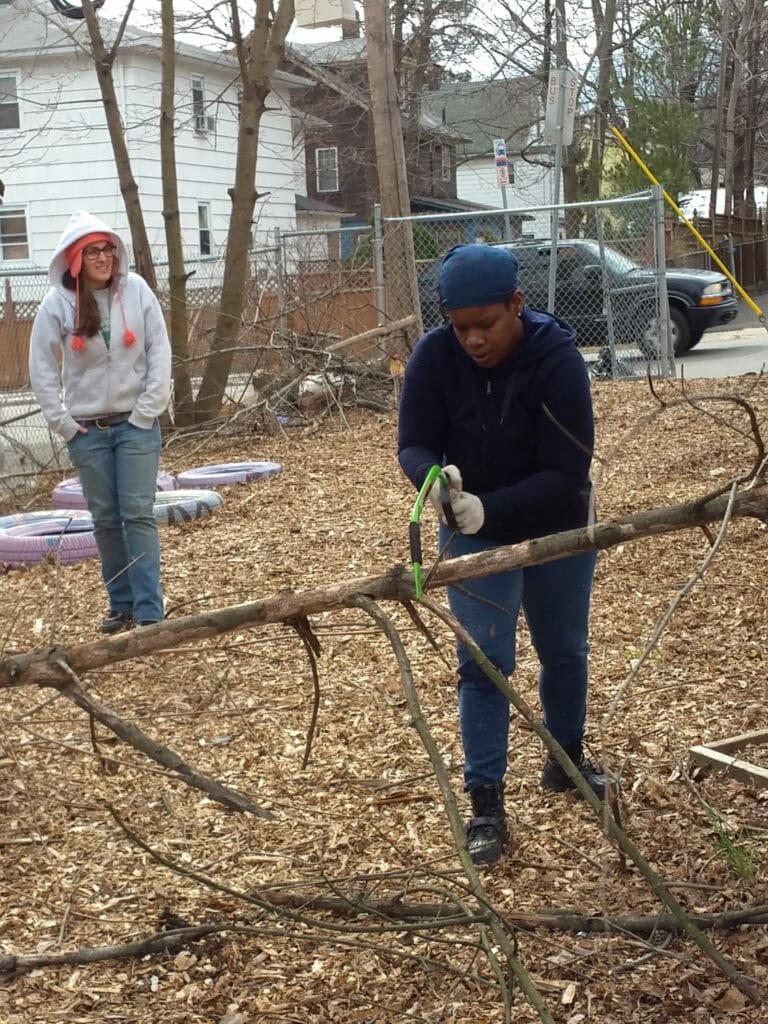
(129, 733)
(610, 826)
(44, 665)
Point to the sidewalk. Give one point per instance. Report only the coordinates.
(745, 317)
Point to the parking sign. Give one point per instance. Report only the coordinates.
(502, 164)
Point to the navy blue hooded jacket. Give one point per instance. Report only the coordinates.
(529, 468)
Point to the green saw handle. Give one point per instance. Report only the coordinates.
(414, 528)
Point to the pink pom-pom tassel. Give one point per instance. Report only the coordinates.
(129, 337)
(77, 343)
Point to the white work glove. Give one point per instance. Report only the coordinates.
(467, 508)
(454, 480)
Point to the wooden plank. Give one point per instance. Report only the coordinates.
(737, 742)
(741, 770)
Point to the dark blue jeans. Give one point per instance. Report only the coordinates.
(555, 600)
(117, 468)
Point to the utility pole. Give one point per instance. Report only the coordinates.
(399, 261)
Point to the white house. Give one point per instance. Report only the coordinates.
(499, 109)
(697, 203)
(55, 152)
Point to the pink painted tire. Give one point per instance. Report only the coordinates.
(69, 493)
(29, 537)
(228, 473)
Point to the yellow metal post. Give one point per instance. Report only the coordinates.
(692, 228)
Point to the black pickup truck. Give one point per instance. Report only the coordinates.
(601, 290)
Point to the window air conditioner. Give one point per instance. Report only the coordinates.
(316, 13)
(204, 123)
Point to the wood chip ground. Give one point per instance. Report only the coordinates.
(366, 813)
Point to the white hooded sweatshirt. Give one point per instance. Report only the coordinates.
(99, 379)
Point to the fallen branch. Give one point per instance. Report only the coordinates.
(130, 734)
(180, 938)
(610, 826)
(542, 920)
(374, 332)
(160, 942)
(44, 665)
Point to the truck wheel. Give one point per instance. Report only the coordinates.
(649, 339)
(695, 338)
(681, 332)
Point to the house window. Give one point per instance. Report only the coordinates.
(327, 169)
(445, 164)
(204, 228)
(9, 103)
(198, 106)
(14, 243)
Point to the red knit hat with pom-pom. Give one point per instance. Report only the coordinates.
(74, 257)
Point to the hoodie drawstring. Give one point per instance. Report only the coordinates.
(128, 335)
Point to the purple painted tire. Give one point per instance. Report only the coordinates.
(69, 493)
(228, 473)
(29, 537)
(67, 533)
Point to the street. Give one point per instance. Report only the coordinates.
(739, 349)
(726, 354)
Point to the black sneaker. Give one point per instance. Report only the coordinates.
(148, 622)
(487, 831)
(116, 622)
(553, 776)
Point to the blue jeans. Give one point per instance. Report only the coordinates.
(117, 468)
(555, 600)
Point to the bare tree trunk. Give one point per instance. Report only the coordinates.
(258, 55)
(104, 60)
(177, 275)
(571, 180)
(741, 32)
(402, 285)
(717, 144)
(398, 15)
(752, 114)
(604, 22)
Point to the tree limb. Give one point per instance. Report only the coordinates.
(611, 828)
(44, 665)
(496, 925)
(129, 733)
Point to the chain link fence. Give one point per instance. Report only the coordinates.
(318, 297)
(304, 294)
(604, 275)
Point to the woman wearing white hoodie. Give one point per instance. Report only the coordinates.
(100, 367)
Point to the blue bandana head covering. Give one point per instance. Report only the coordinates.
(477, 275)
